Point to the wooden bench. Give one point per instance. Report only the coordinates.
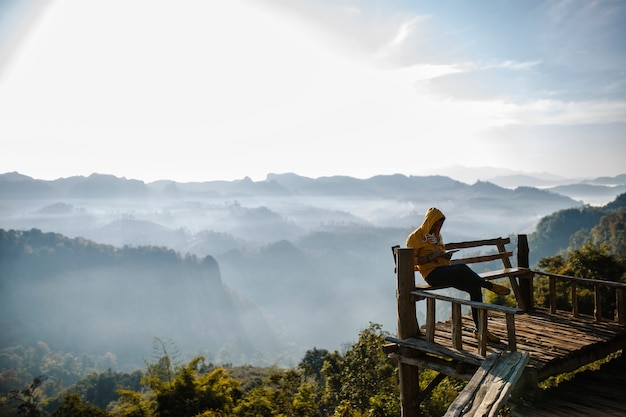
(497, 251)
(491, 385)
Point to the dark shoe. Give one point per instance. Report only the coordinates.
(500, 289)
(491, 338)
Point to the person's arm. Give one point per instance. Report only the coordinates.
(424, 259)
(430, 257)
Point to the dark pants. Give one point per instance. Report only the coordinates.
(461, 277)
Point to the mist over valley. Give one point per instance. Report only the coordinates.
(240, 271)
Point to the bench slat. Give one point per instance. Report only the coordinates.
(477, 243)
(506, 272)
(500, 256)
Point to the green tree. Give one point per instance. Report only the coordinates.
(590, 261)
(100, 389)
(282, 393)
(553, 232)
(133, 404)
(285, 385)
(313, 362)
(257, 403)
(181, 391)
(189, 394)
(304, 401)
(73, 406)
(437, 403)
(611, 231)
(368, 372)
(330, 385)
(316, 368)
(27, 400)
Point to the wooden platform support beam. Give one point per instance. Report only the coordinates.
(525, 281)
(408, 328)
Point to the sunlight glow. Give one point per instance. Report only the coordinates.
(195, 90)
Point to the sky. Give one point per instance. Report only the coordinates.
(195, 90)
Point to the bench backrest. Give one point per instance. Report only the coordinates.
(498, 243)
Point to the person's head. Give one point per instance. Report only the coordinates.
(436, 227)
(433, 221)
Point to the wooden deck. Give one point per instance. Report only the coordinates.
(557, 343)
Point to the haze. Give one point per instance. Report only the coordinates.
(304, 262)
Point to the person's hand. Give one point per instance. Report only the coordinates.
(438, 254)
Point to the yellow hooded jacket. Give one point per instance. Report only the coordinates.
(424, 245)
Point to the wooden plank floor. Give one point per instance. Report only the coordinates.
(555, 342)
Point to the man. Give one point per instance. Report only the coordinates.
(433, 263)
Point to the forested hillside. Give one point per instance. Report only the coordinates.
(82, 297)
(572, 228)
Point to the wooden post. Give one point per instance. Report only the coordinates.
(620, 305)
(552, 295)
(574, 299)
(430, 319)
(407, 328)
(510, 331)
(482, 331)
(457, 333)
(523, 261)
(597, 311)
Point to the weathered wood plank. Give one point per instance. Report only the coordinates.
(499, 383)
(491, 386)
(477, 243)
(466, 396)
(505, 272)
(482, 258)
(453, 369)
(438, 349)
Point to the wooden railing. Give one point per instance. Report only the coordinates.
(483, 312)
(620, 292)
(483, 309)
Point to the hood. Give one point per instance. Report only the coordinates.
(430, 218)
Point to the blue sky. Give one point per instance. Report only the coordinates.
(192, 90)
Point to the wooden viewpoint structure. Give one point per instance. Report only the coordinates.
(537, 342)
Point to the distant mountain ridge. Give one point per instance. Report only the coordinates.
(15, 185)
